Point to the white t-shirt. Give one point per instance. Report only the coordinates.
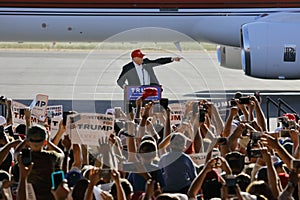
(143, 74)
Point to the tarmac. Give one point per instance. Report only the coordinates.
(86, 80)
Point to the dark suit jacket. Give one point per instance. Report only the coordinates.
(129, 73)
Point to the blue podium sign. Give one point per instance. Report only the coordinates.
(134, 92)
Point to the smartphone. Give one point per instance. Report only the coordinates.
(56, 178)
(65, 116)
(255, 153)
(130, 107)
(245, 132)
(222, 141)
(284, 133)
(255, 135)
(295, 164)
(202, 115)
(231, 184)
(244, 100)
(117, 112)
(218, 163)
(164, 102)
(232, 103)
(26, 156)
(105, 174)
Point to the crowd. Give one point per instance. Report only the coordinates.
(147, 157)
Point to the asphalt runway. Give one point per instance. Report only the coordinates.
(81, 78)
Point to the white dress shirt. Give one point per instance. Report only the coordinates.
(143, 74)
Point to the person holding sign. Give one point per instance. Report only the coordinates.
(140, 71)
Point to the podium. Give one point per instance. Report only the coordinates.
(132, 93)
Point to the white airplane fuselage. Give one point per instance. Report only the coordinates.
(221, 26)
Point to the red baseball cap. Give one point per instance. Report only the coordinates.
(290, 116)
(137, 53)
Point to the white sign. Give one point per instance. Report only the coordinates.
(177, 112)
(39, 106)
(88, 128)
(200, 158)
(54, 111)
(18, 114)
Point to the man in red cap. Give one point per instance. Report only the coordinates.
(140, 71)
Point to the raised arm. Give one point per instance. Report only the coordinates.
(261, 120)
(198, 181)
(227, 127)
(9, 119)
(273, 143)
(5, 150)
(24, 172)
(273, 179)
(215, 116)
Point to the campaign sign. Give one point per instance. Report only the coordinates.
(39, 105)
(88, 128)
(134, 92)
(200, 158)
(18, 112)
(177, 112)
(55, 111)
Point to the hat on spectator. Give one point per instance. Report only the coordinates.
(2, 120)
(110, 111)
(290, 116)
(289, 147)
(137, 53)
(73, 176)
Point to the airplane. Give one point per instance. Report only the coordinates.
(260, 36)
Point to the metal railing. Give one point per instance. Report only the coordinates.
(279, 107)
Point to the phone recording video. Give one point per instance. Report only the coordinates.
(255, 153)
(295, 164)
(164, 102)
(231, 185)
(244, 100)
(26, 156)
(65, 116)
(232, 103)
(57, 178)
(130, 107)
(255, 136)
(105, 174)
(284, 133)
(202, 115)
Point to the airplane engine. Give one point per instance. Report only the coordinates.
(229, 57)
(269, 49)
